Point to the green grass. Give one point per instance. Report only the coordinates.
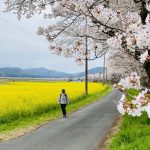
(53, 113)
(133, 133)
(132, 92)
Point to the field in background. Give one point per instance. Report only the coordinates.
(24, 100)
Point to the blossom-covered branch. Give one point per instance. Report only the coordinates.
(108, 20)
(133, 105)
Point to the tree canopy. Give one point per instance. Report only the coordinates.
(108, 24)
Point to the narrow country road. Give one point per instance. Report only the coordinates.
(82, 130)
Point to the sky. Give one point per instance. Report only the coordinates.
(21, 47)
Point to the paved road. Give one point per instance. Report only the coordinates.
(82, 130)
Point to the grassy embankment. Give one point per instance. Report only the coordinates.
(24, 104)
(133, 133)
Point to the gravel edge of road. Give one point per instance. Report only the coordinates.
(104, 144)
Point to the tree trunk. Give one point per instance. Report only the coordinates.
(147, 68)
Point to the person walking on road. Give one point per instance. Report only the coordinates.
(63, 101)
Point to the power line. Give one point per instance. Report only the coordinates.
(18, 28)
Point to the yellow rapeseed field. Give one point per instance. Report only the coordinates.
(22, 99)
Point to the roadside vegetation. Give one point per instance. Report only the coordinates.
(133, 132)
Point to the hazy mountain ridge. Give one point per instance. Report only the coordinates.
(43, 73)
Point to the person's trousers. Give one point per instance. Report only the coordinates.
(63, 108)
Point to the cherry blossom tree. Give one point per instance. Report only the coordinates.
(108, 24)
(120, 64)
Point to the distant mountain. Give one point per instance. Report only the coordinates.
(43, 73)
(90, 71)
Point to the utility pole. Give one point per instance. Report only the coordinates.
(86, 67)
(104, 69)
(86, 63)
(106, 74)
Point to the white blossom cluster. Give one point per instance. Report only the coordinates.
(132, 81)
(76, 48)
(144, 57)
(105, 15)
(26, 7)
(130, 18)
(139, 103)
(136, 35)
(77, 27)
(148, 7)
(114, 42)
